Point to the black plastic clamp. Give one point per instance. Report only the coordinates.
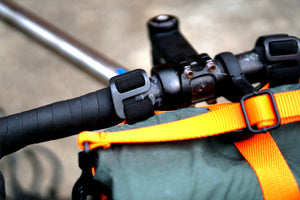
(277, 115)
(281, 55)
(282, 48)
(131, 85)
(238, 85)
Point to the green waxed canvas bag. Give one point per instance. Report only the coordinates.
(205, 168)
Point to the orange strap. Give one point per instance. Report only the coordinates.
(274, 175)
(224, 118)
(260, 151)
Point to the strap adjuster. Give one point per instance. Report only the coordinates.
(275, 109)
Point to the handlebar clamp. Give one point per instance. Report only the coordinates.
(130, 95)
(282, 48)
(281, 56)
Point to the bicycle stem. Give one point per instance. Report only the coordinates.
(197, 77)
(88, 59)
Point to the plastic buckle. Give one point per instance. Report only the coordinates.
(140, 90)
(264, 129)
(275, 58)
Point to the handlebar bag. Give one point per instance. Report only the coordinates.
(231, 165)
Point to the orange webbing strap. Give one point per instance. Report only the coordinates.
(226, 118)
(173, 131)
(274, 175)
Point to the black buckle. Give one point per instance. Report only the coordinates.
(138, 91)
(282, 39)
(264, 129)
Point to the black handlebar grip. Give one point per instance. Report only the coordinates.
(65, 118)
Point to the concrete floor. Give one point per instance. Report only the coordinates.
(31, 76)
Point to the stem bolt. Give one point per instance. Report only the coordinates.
(211, 66)
(162, 18)
(162, 24)
(188, 72)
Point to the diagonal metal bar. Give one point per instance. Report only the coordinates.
(88, 59)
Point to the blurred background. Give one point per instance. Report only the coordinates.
(32, 76)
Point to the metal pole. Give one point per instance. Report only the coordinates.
(79, 54)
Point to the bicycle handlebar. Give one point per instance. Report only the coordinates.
(134, 96)
(65, 118)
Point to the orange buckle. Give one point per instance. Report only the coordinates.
(263, 129)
